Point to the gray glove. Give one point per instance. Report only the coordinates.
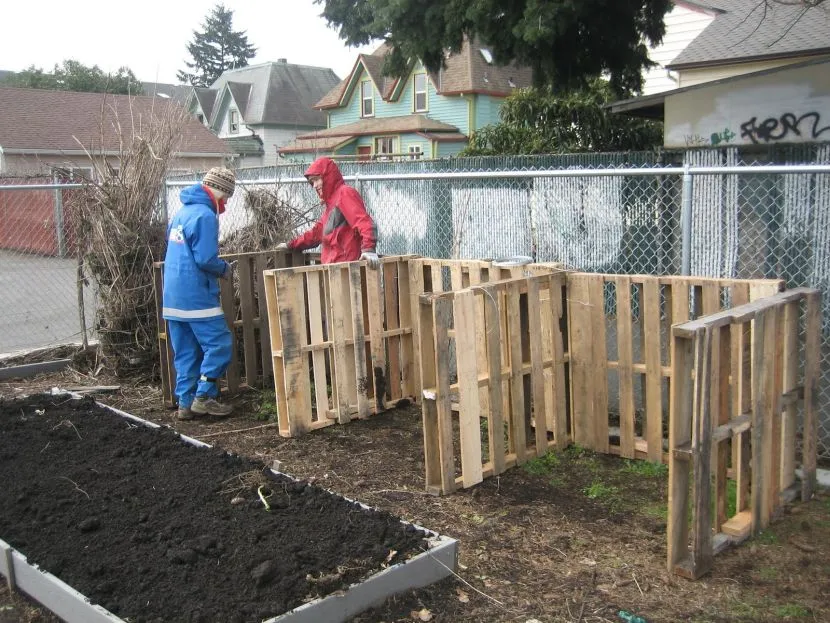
(371, 258)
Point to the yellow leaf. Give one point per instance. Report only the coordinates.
(462, 596)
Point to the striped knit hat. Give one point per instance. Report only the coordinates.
(222, 179)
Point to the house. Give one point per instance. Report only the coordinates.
(42, 131)
(258, 109)
(752, 76)
(422, 114)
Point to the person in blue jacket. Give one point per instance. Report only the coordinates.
(201, 340)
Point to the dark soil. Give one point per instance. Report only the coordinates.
(573, 538)
(156, 529)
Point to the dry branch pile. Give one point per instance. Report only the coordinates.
(275, 213)
(121, 231)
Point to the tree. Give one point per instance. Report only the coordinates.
(216, 49)
(75, 76)
(565, 42)
(540, 121)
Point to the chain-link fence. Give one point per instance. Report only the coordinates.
(700, 212)
(44, 299)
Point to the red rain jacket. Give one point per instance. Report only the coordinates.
(345, 229)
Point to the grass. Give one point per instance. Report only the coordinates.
(792, 611)
(542, 465)
(646, 468)
(267, 406)
(600, 491)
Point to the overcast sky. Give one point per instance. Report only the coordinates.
(149, 36)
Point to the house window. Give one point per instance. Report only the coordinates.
(233, 122)
(384, 147)
(420, 88)
(201, 118)
(415, 152)
(367, 98)
(72, 174)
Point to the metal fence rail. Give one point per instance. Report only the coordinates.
(706, 212)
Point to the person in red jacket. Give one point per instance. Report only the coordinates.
(345, 230)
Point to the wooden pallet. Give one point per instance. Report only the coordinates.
(502, 340)
(243, 309)
(340, 341)
(638, 311)
(735, 416)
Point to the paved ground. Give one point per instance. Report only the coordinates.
(39, 302)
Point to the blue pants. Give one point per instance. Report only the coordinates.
(201, 350)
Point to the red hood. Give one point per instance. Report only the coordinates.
(328, 170)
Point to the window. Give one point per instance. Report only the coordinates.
(233, 122)
(72, 174)
(201, 118)
(415, 152)
(367, 98)
(384, 147)
(420, 88)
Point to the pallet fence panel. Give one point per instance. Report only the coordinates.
(376, 321)
(233, 374)
(761, 431)
(597, 368)
(246, 308)
(429, 402)
(559, 332)
(812, 374)
(275, 353)
(345, 385)
(650, 309)
(517, 429)
(442, 320)
(537, 370)
(579, 346)
(359, 337)
(495, 365)
(410, 384)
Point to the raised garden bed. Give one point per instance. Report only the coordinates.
(153, 527)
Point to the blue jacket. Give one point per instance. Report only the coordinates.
(192, 266)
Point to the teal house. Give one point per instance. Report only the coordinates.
(420, 115)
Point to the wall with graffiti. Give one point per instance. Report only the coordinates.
(787, 105)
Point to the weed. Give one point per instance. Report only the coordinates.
(542, 465)
(766, 538)
(599, 491)
(646, 468)
(267, 406)
(658, 511)
(768, 573)
(792, 611)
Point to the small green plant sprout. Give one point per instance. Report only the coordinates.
(542, 465)
(646, 468)
(599, 491)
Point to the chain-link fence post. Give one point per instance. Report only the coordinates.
(60, 237)
(686, 222)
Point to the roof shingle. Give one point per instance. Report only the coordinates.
(60, 121)
(749, 29)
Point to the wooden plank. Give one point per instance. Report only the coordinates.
(233, 373)
(518, 436)
(760, 464)
(654, 401)
(318, 357)
(377, 367)
(345, 385)
(680, 428)
(739, 526)
(812, 359)
(291, 301)
(260, 265)
(721, 366)
(789, 423)
(409, 366)
(442, 318)
(772, 418)
(579, 346)
(560, 425)
(495, 420)
(247, 307)
(537, 374)
(598, 371)
(269, 282)
(625, 370)
(166, 367)
(775, 391)
(360, 365)
(391, 299)
(429, 409)
(466, 339)
(740, 337)
(474, 279)
(702, 443)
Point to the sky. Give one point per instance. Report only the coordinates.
(149, 36)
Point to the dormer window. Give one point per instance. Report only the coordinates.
(233, 122)
(367, 99)
(487, 54)
(420, 92)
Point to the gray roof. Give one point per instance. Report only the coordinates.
(177, 92)
(744, 30)
(245, 145)
(279, 93)
(206, 98)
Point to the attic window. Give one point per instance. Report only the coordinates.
(233, 122)
(487, 54)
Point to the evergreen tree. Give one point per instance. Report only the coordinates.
(72, 75)
(216, 49)
(565, 42)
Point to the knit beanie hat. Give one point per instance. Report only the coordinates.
(222, 179)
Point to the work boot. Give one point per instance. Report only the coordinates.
(205, 405)
(184, 413)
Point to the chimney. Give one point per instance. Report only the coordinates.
(282, 60)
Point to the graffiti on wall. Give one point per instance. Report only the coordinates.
(786, 126)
